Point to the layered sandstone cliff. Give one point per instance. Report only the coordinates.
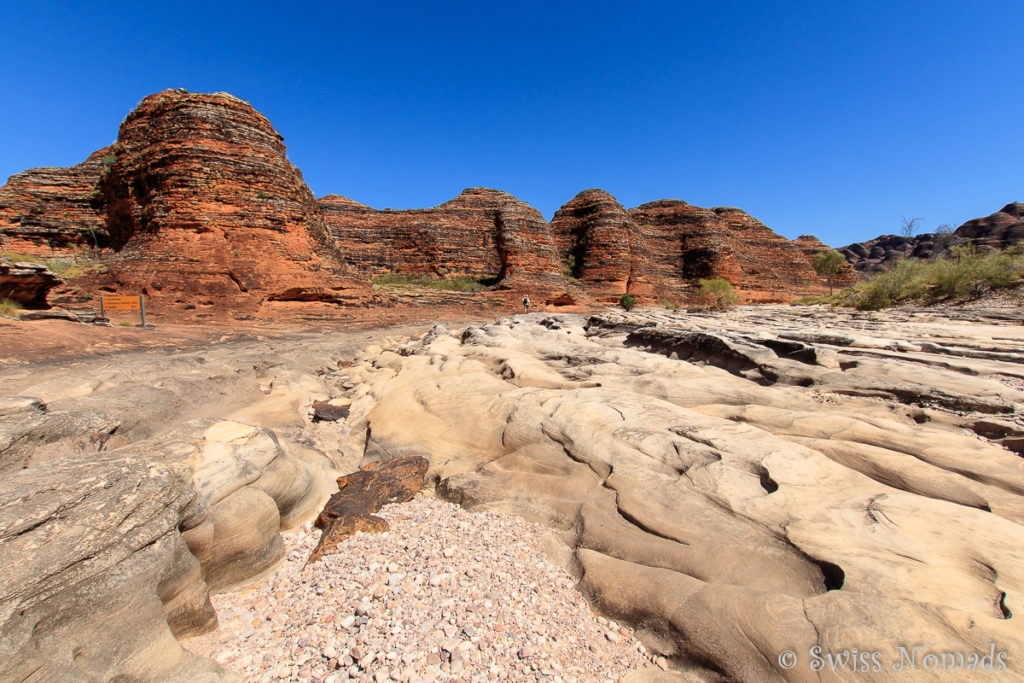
(202, 202)
(197, 203)
(50, 211)
(689, 243)
(483, 234)
(602, 246)
(1004, 228)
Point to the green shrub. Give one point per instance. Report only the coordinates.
(627, 301)
(828, 264)
(9, 308)
(904, 280)
(965, 273)
(717, 293)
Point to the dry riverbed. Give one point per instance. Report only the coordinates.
(445, 595)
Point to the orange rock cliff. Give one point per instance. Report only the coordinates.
(197, 198)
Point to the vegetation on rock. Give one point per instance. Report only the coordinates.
(9, 308)
(65, 268)
(965, 274)
(459, 283)
(828, 264)
(717, 293)
(627, 302)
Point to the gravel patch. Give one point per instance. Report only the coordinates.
(445, 595)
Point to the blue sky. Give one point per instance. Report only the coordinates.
(830, 118)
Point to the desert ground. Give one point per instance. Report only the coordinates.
(727, 490)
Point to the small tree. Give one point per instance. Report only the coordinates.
(828, 264)
(908, 226)
(627, 301)
(944, 234)
(717, 293)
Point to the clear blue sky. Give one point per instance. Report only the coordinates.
(825, 117)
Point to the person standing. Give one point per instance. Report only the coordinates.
(526, 304)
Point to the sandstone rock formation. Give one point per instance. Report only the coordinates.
(197, 204)
(122, 504)
(130, 560)
(97, 580)
(49, 212)
(26, 283)
(361, 494)
(484, 234)
(1004, 228)
(881, 252)
(604, 247)
(689, 243)
(202, 203)
(737, 485)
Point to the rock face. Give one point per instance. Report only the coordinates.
(97, 578)
(811, 246)
(121, 510)
(202, 204)
(690, 243)
(737, 485)
(601, 246)
(197, 204)
(49, 212)
(483, 234)
(881, 252)
(26, 283)
(1004, 228)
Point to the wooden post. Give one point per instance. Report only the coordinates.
(142, 310)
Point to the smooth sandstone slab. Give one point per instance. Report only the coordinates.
(731, 511)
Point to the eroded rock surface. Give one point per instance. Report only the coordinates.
(123, 504)
(689, 243)
(26, 283)
(97, 579)
(483, 233)
(51, 211)
(738, 485)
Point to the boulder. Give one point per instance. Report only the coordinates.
(98, 580)
(26, 283)
(361, 494)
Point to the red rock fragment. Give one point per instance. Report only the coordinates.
(364, 492)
